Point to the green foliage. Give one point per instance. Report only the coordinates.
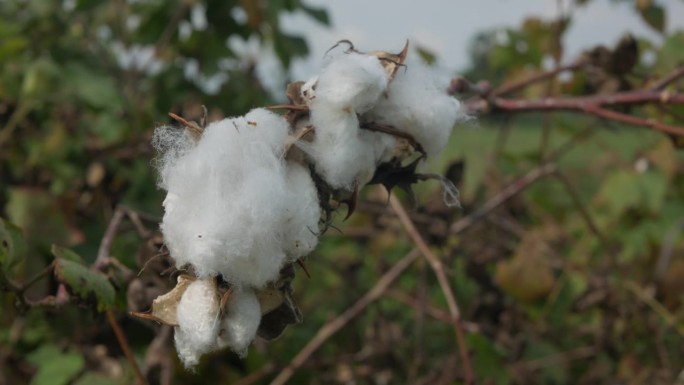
(70, 270)
(12, 245)
(55, 367)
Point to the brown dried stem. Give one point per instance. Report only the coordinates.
(332, 327)
(521, 84)
(438, 268)
(596, 105)
(507, 193)
(123, 343)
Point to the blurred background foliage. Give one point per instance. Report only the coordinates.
(577, 280)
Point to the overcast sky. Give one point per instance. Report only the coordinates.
(447, 27)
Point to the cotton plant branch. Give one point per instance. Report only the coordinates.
(491, 101)
(438, 268)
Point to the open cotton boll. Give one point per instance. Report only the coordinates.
(303, 212)
(417, 104)
(239, 326)
(226, 199)
(352, 81)
(340, 155)
(198, 321)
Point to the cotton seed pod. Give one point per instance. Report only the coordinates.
(391, 61)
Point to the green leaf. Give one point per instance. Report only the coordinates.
(94, 89)
(488, 359)
(54, 366)
(64, 253)
(426, 55)
(12, 244)
(84, 282)
(654, 16)
(319, 14)
(620, 191)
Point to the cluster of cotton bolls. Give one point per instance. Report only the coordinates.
(239, 208)
(358, 88)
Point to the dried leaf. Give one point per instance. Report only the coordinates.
(164, 307)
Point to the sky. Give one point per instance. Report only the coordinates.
(448, 27)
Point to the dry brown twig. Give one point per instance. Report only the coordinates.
(438, 268)
(332, 327)
(596, 105)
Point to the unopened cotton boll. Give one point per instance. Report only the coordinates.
(417, 104)
(226, 199)
(352, 81)
(198, 321)
(239, 326)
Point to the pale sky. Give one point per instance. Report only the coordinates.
(447, 27)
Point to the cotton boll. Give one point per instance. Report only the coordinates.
(198, 323)
(302, 214)
(383, 145)
(240, 324)
(352, 81)
(339, 153)
(417, 104)
(226, 197)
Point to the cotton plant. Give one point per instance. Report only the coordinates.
(248, 197)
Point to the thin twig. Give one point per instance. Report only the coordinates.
(123, 343)
(438, 268)
(332, 327)
(580, 206)
(672, 77)
(634, 121)
(108, 237)
(507, 193)
(519, 85)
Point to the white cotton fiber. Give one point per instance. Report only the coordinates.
(239, 326)
(172, 144)
(418, 104)
(227, 197)
(340, 155)
(302, 214)
(198, 321)
(352, 81)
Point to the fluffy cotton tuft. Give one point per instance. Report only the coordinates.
(302, 214)
(352, 81)
(418, 104)
(240, 325)
(198, 321)
(349, 85)
(227, 197)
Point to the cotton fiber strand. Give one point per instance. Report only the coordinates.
(418, 104)
(240, 325)
(226, 199)
(198, 321)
